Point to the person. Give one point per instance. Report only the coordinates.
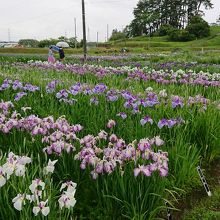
(61, 53)
(51, 58)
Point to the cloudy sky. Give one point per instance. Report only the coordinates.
(40, 19)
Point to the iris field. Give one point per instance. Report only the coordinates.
(115, 138)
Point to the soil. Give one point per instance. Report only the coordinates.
(187, 203)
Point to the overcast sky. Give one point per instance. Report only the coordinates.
(40, 19)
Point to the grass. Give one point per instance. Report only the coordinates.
(162, 43)
(207, 209)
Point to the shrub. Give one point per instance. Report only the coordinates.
(198, 27)
(164, 30)
(180, 35)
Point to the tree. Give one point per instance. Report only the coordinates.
(47, 42)
(28, 42)
(150, 15)
(198, 27)
(147, 17)
(72, 42)
(63, 38)
(117, 35)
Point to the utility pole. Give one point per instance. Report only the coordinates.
(88, 35)
(75, 32)
(149, 40)
(149, 33)
(97, 41)
(84, 30)
(107, 32)
(9, 35)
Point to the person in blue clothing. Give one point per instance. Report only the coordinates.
(59, 50)
(54, 48)
(61, 53)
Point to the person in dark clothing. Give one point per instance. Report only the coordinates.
(61, 53)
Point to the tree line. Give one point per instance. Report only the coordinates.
(180, 20)
(47, 42)
(150, 15)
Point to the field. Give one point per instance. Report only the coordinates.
(119, 137)
(137, 45)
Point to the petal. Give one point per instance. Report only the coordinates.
(136, 172)
(20, 170)
(18, 204)
(54, 162)
(2, 181)
(143, 122)
(163, 172)
(45, 211)
(146, 171)
(30, 198)
(61, 203)
(72, 201)
(32, 188)
(42, 184)
(36, 210)
(71, 190)
(63, 186)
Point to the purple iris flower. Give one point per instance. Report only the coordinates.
(30, 88)
(112, 98)
(19, 95)
(77, 86)
(177, 101)
(88, 91)
(128, 104)
(136, 104)
(171, 122)
(5, 84)
(17, 85)
(62, 94)
(126, 95)
(100, 88)
(163, 122)
(123, 115)
(151, 100)
(136, 111)
(145, 120)
(50, 88)
(74, 91)
(94, 101)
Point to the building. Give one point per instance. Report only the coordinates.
(12, 44)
